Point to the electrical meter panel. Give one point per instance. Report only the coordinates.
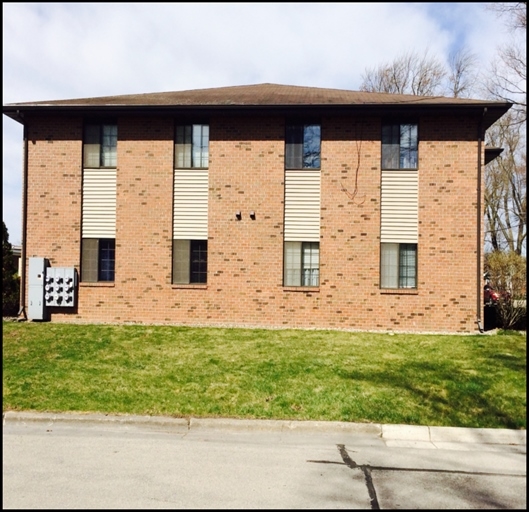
(60, 286)
(37, 276)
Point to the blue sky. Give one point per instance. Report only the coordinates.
(78, 50)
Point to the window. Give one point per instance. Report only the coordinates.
(100, 145)
(190, 261)
(399, 146)
(302, 264)
(303, 146)
(399, 206)
(98, 260)
(192, 146)
(301, 261)
(398, 265)
(99, 201)
(190, 204)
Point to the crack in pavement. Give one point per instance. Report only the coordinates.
(367, 469)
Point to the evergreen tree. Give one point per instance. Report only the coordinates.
(10, 278)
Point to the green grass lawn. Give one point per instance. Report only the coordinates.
(416, 379)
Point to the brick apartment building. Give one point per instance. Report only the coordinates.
(261, 206)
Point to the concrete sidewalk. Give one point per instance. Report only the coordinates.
(412, 436)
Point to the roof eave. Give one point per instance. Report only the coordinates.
(491, 112)
(491, 153)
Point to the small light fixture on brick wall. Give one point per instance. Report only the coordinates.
(252, 215)
(238, 215)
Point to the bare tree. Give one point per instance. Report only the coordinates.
(506, 184)
(412, 73)
(506, 79)
(506, 189)
(515, 12)
(462, 75)
(423, 75)
(505, 194)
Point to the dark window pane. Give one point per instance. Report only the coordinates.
(92, 146)
(399, 146)
(199, 261)
(294, 147)
(408, 146)
(390, 146)
(109, 145)
(100, 145)
(107, 259)
(408, 266)
(303, 146)
(311, 146)
(391, 134)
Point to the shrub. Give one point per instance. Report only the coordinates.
(508, 275)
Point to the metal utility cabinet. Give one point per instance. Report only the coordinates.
(50, 287)
(37, 310)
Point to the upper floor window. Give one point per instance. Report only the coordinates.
(399, 146)
(192, 146)
(303, 146)
(100, 145)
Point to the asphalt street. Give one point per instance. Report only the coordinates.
(90, 461)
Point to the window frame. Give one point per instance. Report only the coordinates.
(394, 150)
(399, 270)
(95, 142)
(296, 145)
(298, 258)
(92, 259)
(191, 148)
(190, 262)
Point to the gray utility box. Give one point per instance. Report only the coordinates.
(37, 274)
(60, 286)
(50, 287)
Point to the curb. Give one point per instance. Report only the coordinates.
(441, 436)
(187, 424)
(287, 426)
(391, 434)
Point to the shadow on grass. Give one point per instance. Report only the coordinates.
(444, 389)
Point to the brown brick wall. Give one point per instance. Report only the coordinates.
(54, 190)
(245, 266)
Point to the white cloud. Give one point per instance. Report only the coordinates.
(74, 50)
